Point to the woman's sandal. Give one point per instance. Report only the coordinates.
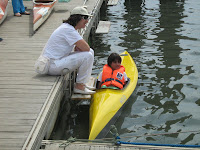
(17, 15)
(26, 13)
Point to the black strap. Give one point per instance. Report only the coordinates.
(108, 79)
(118, 81)
(111, 79)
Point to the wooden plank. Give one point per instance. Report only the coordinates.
(17, 116)
(30, 78)
(112, 2)
(11, 142)
(28, 87)
(14, 128)
(18, 110)
(10, 147)
(13, 135)
(24, 96)
(80, 97)
(55, 146)
(24, 91)
(26, 82)
(15, 99)
(6, 105)
(103, 27)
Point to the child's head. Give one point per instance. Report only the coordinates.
(114, 61)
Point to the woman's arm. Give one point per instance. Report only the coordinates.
(82, 45)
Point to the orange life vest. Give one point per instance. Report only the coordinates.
(113, 77)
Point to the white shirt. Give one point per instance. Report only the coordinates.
(61, 41)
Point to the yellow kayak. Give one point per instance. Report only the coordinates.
(107, 102)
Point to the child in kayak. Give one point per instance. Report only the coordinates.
(113, 75)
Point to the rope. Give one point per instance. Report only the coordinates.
(154, 134)
(160, 134)
(114, 132)
(65, 143)
(116, 140)
(118, 143)
(153, 144)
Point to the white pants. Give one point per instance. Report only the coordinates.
(82, 61)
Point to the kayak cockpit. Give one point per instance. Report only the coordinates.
(111, 87)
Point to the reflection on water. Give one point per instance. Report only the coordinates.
(163, 38)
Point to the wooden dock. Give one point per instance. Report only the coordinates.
(66, 145)
(29, 103)
(112, 2)
(103, 27)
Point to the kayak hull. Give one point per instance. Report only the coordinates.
(107, 103)
(3, 10)
(41, 11)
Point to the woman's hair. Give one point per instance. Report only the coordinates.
(73, 20)
(113, 57)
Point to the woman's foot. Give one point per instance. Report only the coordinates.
(81, 89)
(86, 91)
(26, 13)
(90, 87)
(79, 86)
(17, 15)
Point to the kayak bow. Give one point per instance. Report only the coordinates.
(3, 10)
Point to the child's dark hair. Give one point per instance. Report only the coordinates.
(73, 20)
(113, 57)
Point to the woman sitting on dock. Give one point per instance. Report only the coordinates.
(60, 46)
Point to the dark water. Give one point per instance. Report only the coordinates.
(163, 37)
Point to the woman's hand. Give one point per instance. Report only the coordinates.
(76, 49)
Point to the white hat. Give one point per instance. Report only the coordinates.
(80, 10)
